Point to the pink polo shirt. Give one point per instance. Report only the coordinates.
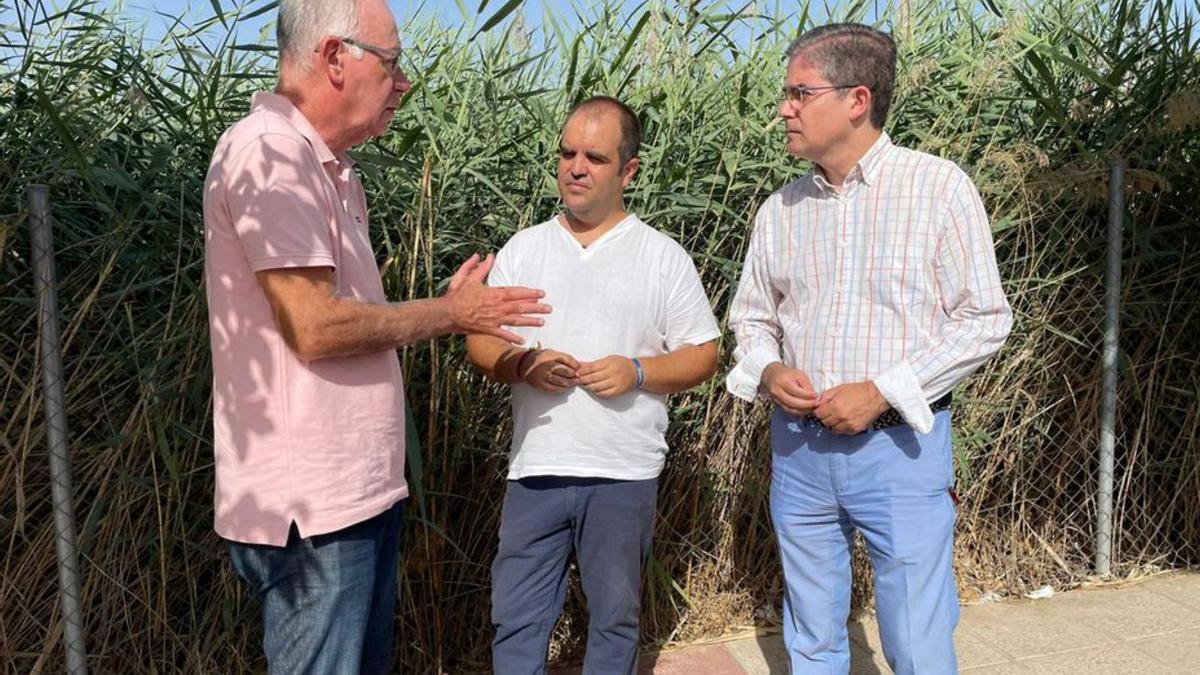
(320, 444)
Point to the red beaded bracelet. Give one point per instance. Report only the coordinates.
(521, 361)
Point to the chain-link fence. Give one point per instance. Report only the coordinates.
(1027, 437)
(1027, 430)
(1029, 444)
(156, 584)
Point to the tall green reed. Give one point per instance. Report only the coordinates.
(1032, 100)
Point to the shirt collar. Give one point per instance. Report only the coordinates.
(281, 105)
(871, 163)
(621, 226)
(866, 170)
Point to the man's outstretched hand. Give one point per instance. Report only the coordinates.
(477, 308)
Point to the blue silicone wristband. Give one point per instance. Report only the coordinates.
(641, 374)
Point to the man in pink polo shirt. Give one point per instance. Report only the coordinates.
(308, 397)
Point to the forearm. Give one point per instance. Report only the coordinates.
(978, 316)
(911, 384)
(754, 322)
(681, 369)
(346, 327)
(495, 358)
(965, 344)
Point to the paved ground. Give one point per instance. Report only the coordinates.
(1144, 627)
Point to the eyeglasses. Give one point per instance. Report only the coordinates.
(800, 95)
(390, 58)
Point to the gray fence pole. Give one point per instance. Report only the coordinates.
(1108, 404)
(42, 237)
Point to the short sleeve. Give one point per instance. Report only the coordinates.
(690, 319)
(502, 267)
(506, 271)
(275, 198)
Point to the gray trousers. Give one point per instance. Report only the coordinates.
(608, 524)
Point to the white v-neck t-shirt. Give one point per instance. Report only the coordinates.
(632, 292)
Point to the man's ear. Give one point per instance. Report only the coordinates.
(860, 109)
(330, 55)
(631, 168)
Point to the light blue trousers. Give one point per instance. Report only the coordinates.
(892, 486)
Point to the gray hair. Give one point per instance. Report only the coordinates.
(303, 22)
(853, 53)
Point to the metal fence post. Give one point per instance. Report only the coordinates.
(66, 548)
(1108, 404)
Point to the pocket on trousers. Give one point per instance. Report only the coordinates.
(261, 566)
(246, 564)
(918, 463)
(949, 453)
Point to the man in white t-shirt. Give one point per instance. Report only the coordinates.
(631, 324)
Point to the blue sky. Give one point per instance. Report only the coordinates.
(159, 15)
(449, 11)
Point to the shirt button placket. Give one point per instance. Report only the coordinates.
(843, 255)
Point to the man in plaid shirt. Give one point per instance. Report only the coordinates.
(870, 290)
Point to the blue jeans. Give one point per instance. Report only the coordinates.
(608, 523)
(892, 486)
(329, 600)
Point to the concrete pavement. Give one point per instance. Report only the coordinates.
(1145, 627)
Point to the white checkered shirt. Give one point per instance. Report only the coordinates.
(892, 279)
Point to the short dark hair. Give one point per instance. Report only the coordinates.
(631, 128)
(853, 53)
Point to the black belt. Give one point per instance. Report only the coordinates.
(892, 417)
